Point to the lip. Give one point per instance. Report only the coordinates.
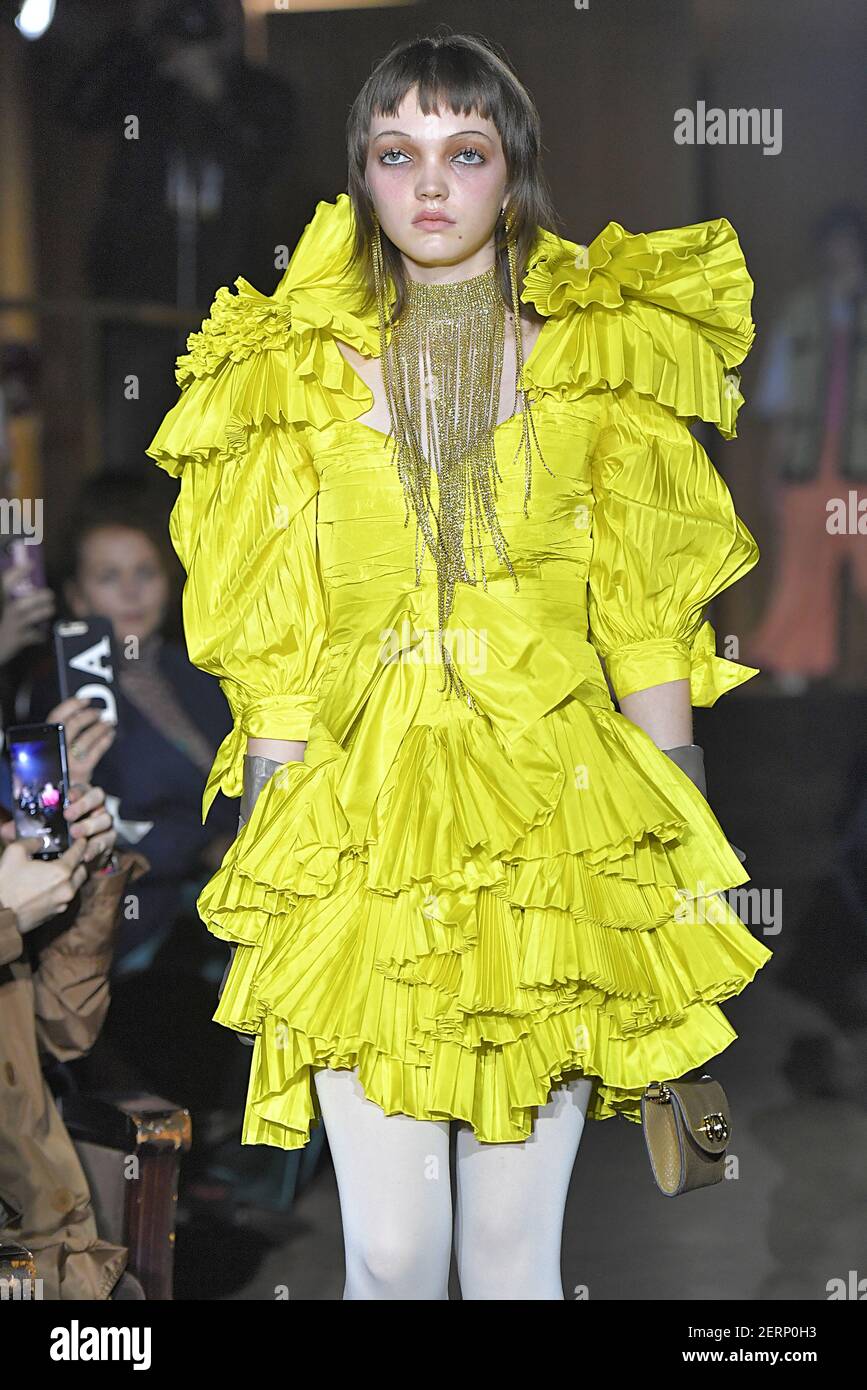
(432, 219)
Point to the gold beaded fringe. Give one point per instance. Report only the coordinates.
(442, 370)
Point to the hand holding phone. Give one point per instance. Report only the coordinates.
(25, 562)
(37, 891)
(88, 736)
(90, 821)
(25, 612)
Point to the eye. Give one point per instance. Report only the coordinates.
(471, 150)
(477, 157)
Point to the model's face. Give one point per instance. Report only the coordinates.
(437, 183)
(121, 577)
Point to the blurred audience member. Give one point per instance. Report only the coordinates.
(58, 921)
(813, 390)
(172, 717)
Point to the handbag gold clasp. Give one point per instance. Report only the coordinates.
(715, 1127)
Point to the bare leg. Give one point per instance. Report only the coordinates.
(395, 1193)
(511, 1199)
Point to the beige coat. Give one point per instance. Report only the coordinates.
(54, 995)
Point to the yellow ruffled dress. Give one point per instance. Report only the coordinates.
(468, 905)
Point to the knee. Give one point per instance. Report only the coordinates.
(503, 1259)
(502, 1243)
(397, 1262)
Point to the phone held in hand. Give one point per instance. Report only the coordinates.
(40, 784)
(86, 661)
(19, 552)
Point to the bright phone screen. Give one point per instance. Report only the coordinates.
(39, 792)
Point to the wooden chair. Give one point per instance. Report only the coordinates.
(130, 1148)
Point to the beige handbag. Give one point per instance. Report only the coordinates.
(687, 1127)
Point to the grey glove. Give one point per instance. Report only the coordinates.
(257, 771)
(690, 759)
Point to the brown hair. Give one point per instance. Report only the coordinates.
(466, 74)
(115, 498)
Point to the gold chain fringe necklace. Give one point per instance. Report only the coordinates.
(442, 370)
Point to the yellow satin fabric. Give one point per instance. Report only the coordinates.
(468, 906)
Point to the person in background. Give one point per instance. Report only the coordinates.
(58, 921)
(171, 720)
(172, 717)
(813, 392)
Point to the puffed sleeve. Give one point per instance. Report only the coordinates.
(657, 324)
(665, 541)
(244, 527)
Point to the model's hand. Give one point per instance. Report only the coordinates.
(39, 889)
(258, 771)
(690, 759)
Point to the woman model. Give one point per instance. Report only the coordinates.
(427, 487)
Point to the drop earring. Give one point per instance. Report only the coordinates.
(379, 277)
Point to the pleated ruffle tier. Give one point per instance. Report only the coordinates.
(509, 917)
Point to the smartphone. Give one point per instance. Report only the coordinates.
(86, 660)
(40, 785)
(18, 552)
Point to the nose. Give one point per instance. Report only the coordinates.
(431, 184)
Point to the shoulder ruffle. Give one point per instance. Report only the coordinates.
(261, 357)
(667, 312)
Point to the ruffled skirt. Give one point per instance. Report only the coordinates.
(476, 921)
